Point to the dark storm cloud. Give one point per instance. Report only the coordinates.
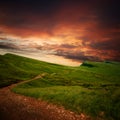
(19, 12)
(46, 14)
(16, 12)
(108, 13)
(68, 51)
(8, 46)
(90, 22)
(107, 45)
(77, 56)
(69, 46)
(44, 7)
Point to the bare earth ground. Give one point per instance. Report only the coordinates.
(18, 107)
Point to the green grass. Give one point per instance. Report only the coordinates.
(92, 88)
(15, 68)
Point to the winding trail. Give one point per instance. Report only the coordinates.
(18, 107)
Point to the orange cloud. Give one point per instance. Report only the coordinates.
(74, 28)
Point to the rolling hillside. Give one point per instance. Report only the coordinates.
(92, 88)
(15, 68)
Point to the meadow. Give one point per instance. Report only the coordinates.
(92, 88)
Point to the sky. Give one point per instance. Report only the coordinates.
(78, 30)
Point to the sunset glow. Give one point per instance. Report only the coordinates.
(75, 29)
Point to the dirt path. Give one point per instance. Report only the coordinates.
(17, 107)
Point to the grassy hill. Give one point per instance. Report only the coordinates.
(15, 68)
(92, 88)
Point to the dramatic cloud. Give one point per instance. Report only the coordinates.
(8, 46)
(76, 29)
